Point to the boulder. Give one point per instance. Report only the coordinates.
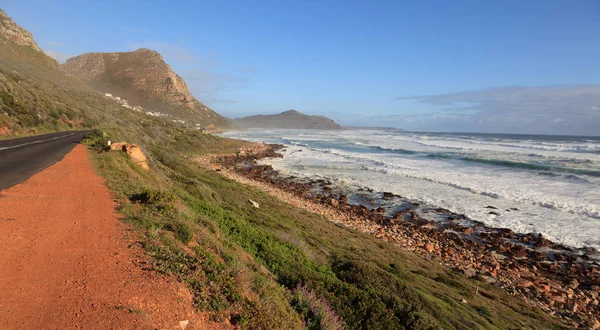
(524, 283)
(133, 150)
(136, 154)
(429, 247)
(117, 146)
(470, 272)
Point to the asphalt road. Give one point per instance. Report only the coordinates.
(21, 158)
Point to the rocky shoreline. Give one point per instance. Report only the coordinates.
(560, 280)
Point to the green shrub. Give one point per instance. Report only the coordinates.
(54, 114)
(211, 281)
(183, 232)
(484, 311)
(152, 196)
(96, 139)
(362, 295)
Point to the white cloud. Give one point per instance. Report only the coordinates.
(514, 109)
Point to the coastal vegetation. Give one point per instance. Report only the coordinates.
(246, 264)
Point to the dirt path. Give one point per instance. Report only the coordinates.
(65, 260)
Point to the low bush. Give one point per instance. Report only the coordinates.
(153, 197)
(97, 139)
(183, 231)
(316, 312)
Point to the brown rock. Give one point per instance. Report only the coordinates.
(519, 251)
(573, 284)
(144, 165)
(470, 272)
(525, 283)
(134, 152)
(429, 247)
(117, 146)
(488, 279)
(544, 288)
(559, 299)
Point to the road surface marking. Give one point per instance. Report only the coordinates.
(38, 141)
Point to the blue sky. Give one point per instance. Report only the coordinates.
(491, 66)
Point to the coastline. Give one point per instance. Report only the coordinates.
(561, 281)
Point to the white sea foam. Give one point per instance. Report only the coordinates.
(553, 184)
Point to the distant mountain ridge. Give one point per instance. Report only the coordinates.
(291, 119)
(144, 79)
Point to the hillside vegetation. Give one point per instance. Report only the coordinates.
(278, 266)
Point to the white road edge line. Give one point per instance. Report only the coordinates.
(38, 141)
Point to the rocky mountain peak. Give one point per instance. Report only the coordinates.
(143, 70)
(15, 33)
(143, 78)
(148, 51)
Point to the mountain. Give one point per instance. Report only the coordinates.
(287, 119)
(35, 95)
(13, 32)
(143, 79)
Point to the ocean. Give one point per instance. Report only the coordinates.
(537, 183)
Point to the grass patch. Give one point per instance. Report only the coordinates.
(484, 311)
